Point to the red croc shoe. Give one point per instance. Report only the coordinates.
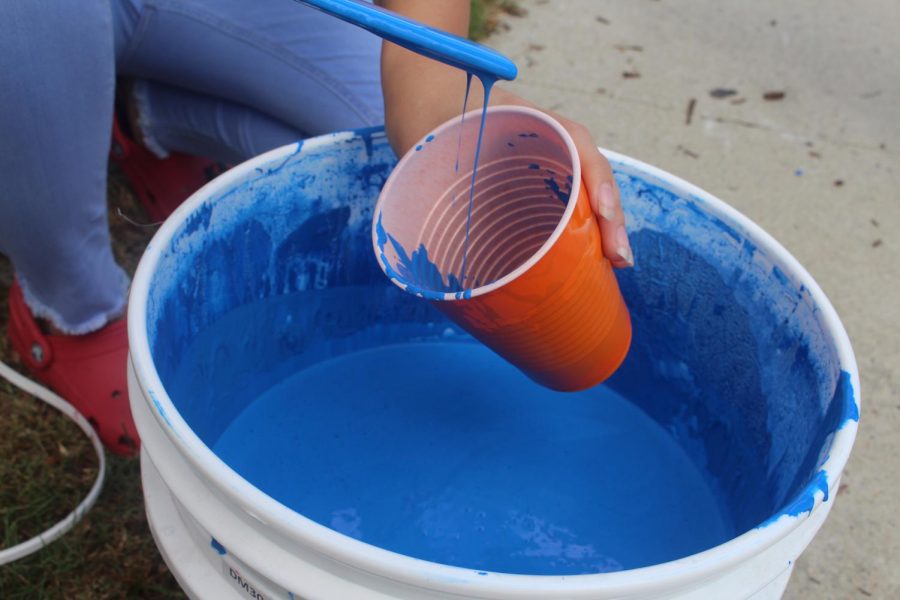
(161, 184)
(87, 370)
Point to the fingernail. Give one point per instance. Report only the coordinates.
(623, 248)
(607, 201)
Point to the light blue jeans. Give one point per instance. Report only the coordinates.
(226, 79)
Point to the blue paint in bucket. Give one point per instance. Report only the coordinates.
(274, 283)
(404, 447)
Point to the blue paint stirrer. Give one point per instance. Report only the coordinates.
(442, 46)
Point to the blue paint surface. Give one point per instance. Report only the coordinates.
(430, 464)
(274, 282)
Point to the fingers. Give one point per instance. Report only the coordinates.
(604, 196)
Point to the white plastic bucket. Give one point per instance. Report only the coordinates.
(722, 314)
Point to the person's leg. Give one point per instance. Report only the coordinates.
(250, 77)
(56, 101)
(173, 119)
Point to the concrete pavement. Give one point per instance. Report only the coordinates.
(790, 112)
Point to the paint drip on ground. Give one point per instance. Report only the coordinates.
(412, 453)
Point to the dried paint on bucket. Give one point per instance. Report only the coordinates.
(284, 349)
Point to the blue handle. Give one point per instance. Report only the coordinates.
(448, 48)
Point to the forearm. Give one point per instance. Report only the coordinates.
(421, 93)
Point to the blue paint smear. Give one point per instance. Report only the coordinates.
(297, 150)
(276, 279)
(780, 276)
(841, 409)
(434, 43)
(217, 546)
(562, 194)
(417, 273)
(420, 269)
(429, 138)
(462, 120)
(843, 396)
(366, 135)
(534, 166)
(159, 408)
(805, 502)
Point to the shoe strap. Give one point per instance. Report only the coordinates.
(28, 339)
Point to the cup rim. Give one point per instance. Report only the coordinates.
(468, 293)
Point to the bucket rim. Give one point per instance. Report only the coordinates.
(430, 575)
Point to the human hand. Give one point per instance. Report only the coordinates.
(597, 176)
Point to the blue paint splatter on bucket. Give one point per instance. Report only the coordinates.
(562, 194)
(217, 546)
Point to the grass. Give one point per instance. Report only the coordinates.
(47, 465)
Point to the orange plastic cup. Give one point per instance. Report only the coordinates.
(530, 280)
